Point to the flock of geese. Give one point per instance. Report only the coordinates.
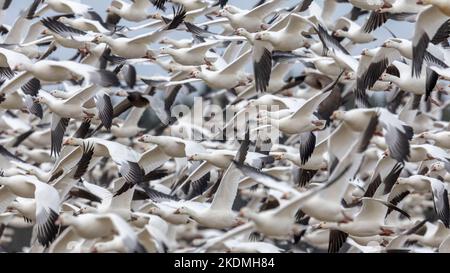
(93, 158)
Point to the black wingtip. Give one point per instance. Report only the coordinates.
(107, 78)
(178, 17)
(336, 240)
(46, 232)
(83, 163)
(133, 174)
(262, 70)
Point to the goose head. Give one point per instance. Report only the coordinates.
(22, 67)
(436, 167)
(385, 8)
(224, 13)
(426, 135)
(262, 36)
(166, 41)
(40, 100)
(59, 94)
(232, 9)
(45, 32)
(150, 54)
(73, 141)
(279, 156)
(393, 43)
(100, 38)
(387, 77)
(339, 33)
(325, 225)
(165, 50)
(425, 2)
(154, 210)
(113, 9)
(31, 171)
(114, 245)
(318, 124)
(155, 16)
(349, 75)
(84, 210)
(228, 11)
(403, 181)
(195, 73)
(338, 115)
(365, 52)
(241, 32)
(64, 20)
(184, 210)
(196, 157)
(66, 219)
(247, 213)
(148, 139)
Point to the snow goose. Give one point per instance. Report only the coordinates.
(166, 212)
(431, 23)
(93, 226)
(348, 29)
(276, 82)
(332, 48)
(284, 225)
(303, 120)
(46, 203)
(423, 183)
(309, 162)
(85, 24)
(51, 71)
(438, 169)
(158, 236)
(195, 55)
(397, 134)
(217, 214)
(369, 221)
(423, 152)
(226, 78)
(122, 155)
(401, 7)
(440, 139)
(251, 20)
(435, 235)
(137, 47)
(291, 32)
(119, 204)
(284, 35)
(374, 62)
(134, 12)
(64, 6)
(183, 43)
(398, 74)
(33, 170)
(173, 146)
(72, 107)
(129, 128)
(330, 197)
(64, 35)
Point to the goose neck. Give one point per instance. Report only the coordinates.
(392, 78)
(291, 157)
(192, 213)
